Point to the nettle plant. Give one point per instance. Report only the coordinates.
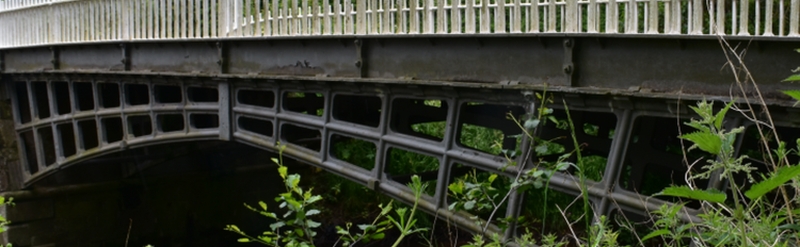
(295, 228)
(750, 217)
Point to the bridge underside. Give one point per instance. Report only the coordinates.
(77, 102)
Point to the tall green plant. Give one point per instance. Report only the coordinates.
(298, 205)
(741, 221)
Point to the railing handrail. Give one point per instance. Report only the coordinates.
(47, 22)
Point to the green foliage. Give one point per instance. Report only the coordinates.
(739, 222)
(297, 203)
(686, 192)
(3, 220)
(369, 232)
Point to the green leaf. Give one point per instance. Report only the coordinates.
(282, 170)
(492, 177)
(275, 160)
(263, 205)
(312, 224)
(783, 175)
(469, 205)
(312, 212)
(276, 225)
(378, 236)
(795, 94)
(244, 240)
(686, 192)
(655, 234)
(457, 187)
(705, 141)
(721, 115)
(531, 124)
(793, 78)
(293, 180)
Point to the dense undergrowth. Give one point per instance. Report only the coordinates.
(755, 206)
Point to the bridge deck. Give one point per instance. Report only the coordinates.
(49, 22)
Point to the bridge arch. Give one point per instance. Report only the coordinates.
(311, 119)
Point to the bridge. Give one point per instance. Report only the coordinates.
(91, 78)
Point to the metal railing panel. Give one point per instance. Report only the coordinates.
(49, 22)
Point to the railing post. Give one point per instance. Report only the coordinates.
(720, 25)
(794, 20)
(361, 16)
(632, 17)
(591, 17)
(222, 14)
(534, 17)
(571, 17)
(744, 17)
(652, 17)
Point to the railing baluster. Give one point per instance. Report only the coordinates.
(571, 16)
(794, 21)
(337, 17)
(215, 22)
(744, 8)
(720, 25)
(372, 8)
(275, 15)
(533, 17)
(517, 17)
(591, 17)
(734, 18)
(190, 15)
(485, 18)
(780, 18)
(386, 17)
(348, 17)
(500, 16)
(469, 26)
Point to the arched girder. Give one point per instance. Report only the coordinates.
(100, 114)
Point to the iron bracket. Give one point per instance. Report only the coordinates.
(359, 57)
(569, 66)
(221, 61)
(126, 60)
(54, 60)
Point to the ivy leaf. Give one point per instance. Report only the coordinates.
(783, 175)
(705, 141)
(686, 192)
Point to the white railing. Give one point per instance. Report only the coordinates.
(41, 22)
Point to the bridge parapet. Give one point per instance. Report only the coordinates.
(51, 22)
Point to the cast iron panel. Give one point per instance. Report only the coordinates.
(186, 57)
(91, 58)
(318, 57)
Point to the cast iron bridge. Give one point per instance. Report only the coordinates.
(89, 78)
